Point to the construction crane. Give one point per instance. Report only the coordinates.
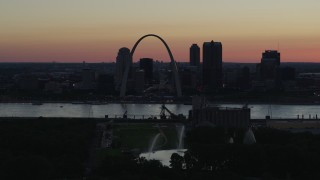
(164, 109)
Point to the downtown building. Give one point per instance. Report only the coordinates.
(122, 61)
(271, 75)
(269, 65)
(212, 66)
(146, 64)
(194, 55)
(268, 72)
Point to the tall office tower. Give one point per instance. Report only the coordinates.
(123, 59)
(212, 65)
(194, 55)
(270, 62)
(271, 54)
(146, 64)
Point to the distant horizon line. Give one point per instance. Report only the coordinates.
(110, 62)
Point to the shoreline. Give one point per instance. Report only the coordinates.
(37, 102)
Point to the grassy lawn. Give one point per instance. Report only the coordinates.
(103, 153)
(141, 135)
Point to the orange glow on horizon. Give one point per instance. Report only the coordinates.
(106, 51)
(94, 31)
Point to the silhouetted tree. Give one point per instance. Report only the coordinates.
(176, 161)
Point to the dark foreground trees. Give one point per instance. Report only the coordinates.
(44, 148)
(58, 149)
(277, 154)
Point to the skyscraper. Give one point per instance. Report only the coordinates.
(122, 61)
(271, 54)
(146, 64)
(194, 55)
(212, 65)
(270, 62)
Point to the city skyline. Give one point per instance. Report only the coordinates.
(93, 31)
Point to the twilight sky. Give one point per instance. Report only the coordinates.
(94, 30)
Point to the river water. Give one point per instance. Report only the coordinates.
(258, 111)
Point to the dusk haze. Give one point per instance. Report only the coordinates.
(93, 31)
(159, 89)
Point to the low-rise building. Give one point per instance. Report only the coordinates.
(219, 116)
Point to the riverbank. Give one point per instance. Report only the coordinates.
(146, 111)
(35, 102)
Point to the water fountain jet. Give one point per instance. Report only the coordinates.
(154, 141)
(181, 136)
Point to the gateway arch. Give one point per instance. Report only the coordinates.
(174, 67)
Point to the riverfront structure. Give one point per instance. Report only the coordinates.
(173, 67)
(222, 117)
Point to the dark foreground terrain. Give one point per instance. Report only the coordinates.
(44, 148)
(62, 148)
